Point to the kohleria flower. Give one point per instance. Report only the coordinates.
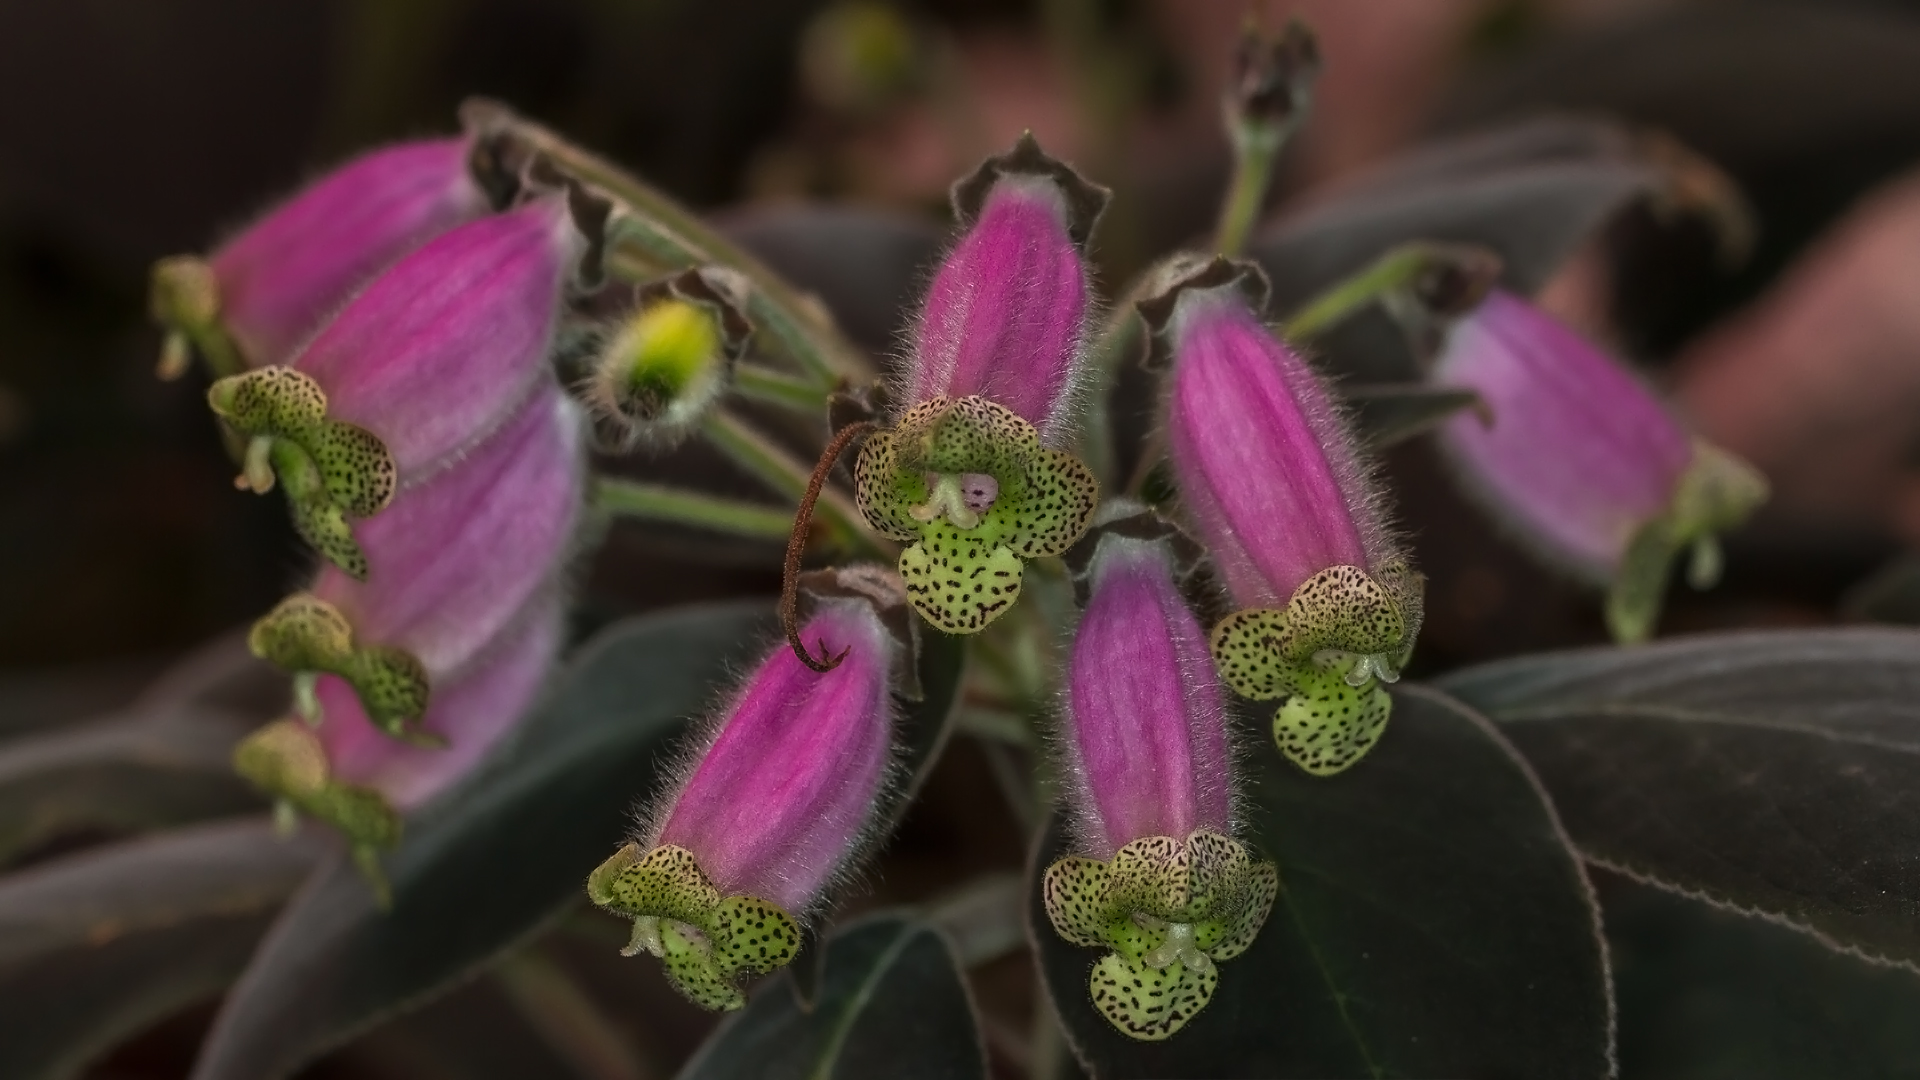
(771, 805)
(1584, 462)
(969, 475)
(254, 301)
(1160, 882)
(1269, 476)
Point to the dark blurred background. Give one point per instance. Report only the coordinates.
(131, 130)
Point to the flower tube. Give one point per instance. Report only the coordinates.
(969, 475)
(773, 803)
(1585, 464)
(1269, 476)
(1160, 881)
(254, 301)
(427, 361)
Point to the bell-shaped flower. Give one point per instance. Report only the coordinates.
(969, 474)
(407, 678)
(668, 359)
(1270, 478)
(771, 805)
(1159, 881)
(254, 301)
(1584, 463)
(423, 364)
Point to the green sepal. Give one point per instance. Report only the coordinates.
(1716, 493)
(709, 944)
(1166, 910)
(332, 470)
(963, 568)
(304, 634)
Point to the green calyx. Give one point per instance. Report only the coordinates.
(709, 943)
(1168, 910)
(184, 298)
(285, 759)
(1716, 493)
(332, 470)
(1344, 633)
(307, 636)
(966, 483)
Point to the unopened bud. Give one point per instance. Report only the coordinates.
(1272, 87)
(669, 361)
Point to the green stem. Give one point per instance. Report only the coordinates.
(1254, 154)
(774, 466)
(763, 384)
(666, 233)
(1346, 298)
(566, 1018)
(660, 502)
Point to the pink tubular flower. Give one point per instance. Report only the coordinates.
(1583, 460)
(266, 290)
(1005, 317)
(1161, 884)
(1144, 726)
(773, 805)
(422, 365)
(1270, 478)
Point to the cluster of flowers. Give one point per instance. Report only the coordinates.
(388, 335)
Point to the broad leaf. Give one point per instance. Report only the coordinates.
(491, 863)
(97, 946)
(891, 1002)
(1776, 772)
(1712, 995)
(1432, 921)
(119, 775)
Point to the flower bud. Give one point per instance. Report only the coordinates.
(1272, 86)
(1269, 476)
(773, 804)
(1006, 315)
(670, 359)
(1160, 882)
(1588, 466)
(450, 564)
(424, 363)
(264, 292)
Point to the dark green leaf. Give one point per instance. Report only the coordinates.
(487, 866)
(121, 774)
(891, 1003)
(1777, 772)
(1389, 413)
(1432, 921)
(99, 945)
(1712, 995)
(1891, 595)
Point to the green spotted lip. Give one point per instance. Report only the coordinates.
(709, 943)
(1343, 634)
(964, 563)
(307, 636)
(1168, 910)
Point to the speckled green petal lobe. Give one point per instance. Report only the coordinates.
(1055, 509)
(1149, 1003)
(1236, 934)
(1217, 878)
(1329, 723)
(1247, 651)
(304, 634)
(1151, 875)
(958, 581)
(268, 401)
(359, 473)
(285, 758)
(1075, 892)
(320, 521)
(969, 434)
(1343, 608)
(883, 492)
(709, 944)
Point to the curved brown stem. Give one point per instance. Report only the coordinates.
(797, 545)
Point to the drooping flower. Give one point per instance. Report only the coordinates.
(1269, 476)
(254, 301)
(1160, 881)
(1585, 463)
(773, 804)
(404, 680)
(424, 363)
(969, 474)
